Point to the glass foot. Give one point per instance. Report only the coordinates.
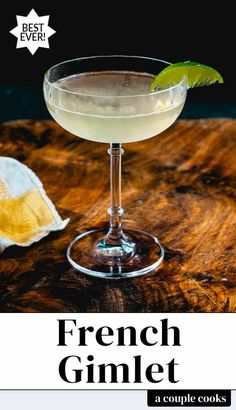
(137, 253)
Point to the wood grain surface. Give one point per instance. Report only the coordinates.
(179, 186)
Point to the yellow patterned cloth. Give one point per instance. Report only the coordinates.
(26, 212)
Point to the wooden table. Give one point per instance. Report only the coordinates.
(179, 186)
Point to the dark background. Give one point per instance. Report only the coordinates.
(166, 30)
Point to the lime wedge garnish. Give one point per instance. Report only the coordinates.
(196, 75)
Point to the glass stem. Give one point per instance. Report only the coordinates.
(115, 211)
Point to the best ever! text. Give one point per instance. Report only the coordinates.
(32, 31)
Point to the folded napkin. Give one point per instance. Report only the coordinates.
(26, 212)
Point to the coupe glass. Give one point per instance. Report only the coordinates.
(107, 99)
